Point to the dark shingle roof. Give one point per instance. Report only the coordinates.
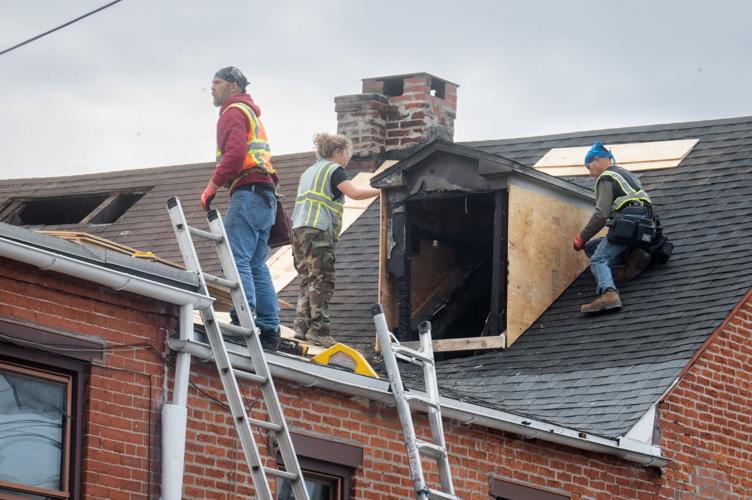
(146, 225)
(597, 374)
(600, 374)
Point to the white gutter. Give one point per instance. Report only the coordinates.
(310, 374)
(117, 280)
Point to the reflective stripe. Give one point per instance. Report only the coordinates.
(630, 193)
(258, 151)
(315, 205)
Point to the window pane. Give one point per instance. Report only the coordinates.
(32, 418)
(318, 489)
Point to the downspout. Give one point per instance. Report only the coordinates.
(175, 416)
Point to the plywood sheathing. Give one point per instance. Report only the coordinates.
(281, 263)
(542, 262)
(634, 156)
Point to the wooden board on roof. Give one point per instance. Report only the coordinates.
(542, 262)
(634, 157)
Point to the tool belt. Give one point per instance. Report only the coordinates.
(636, 225)
(633, 225)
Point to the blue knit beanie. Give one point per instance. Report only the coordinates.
(598, 151)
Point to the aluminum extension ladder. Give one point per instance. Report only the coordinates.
(436, 449)
(229, 375)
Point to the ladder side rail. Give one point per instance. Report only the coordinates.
(237, 407)
(403, 408)
(185, 243)
(221, 357)
(434, 414)
(253, 343)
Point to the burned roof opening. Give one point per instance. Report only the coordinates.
(448, 266)
(90, 208)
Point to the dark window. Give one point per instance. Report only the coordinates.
(505, 489)
(41, 401)
(328, 468)
(35, 410)
(98, 208)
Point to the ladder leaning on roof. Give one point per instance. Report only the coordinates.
(436, 449)
(229, 375)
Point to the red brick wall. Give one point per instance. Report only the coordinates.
(706, 430)
(124, 395)
(706, 421)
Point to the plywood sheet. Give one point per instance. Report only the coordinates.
(634, 157)
(542, 263)
(466, 344)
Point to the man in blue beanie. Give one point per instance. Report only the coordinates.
(615, 189)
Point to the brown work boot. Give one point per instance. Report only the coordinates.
(322, 340)
(609, 300)
(298, 335)
(637, 261)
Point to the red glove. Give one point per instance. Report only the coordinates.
(578, 243)
(208, 196)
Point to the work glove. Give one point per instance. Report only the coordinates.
(578, 243)
(208, 196)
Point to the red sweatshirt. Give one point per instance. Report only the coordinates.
(232, 141)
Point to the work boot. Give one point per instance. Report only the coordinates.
(269, 339)
(637, 261)
(609, 300)
(322, 340)
(299, 335)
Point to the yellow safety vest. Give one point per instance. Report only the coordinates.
(259, 153)
(625, 191)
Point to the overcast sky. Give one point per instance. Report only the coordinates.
(129, 87)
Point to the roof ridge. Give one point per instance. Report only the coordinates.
(610, 131)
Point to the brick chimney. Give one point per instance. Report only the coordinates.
(396, 114)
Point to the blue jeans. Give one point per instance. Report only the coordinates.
(603, 255)
(249, 219)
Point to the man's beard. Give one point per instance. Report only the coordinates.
(220, 99)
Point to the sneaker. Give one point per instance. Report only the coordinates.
(608, 301)
(322, 340)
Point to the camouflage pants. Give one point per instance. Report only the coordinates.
(313, 256)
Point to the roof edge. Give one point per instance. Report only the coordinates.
(117, 280)
(313, 375)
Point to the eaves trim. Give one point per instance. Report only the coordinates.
(310, 374)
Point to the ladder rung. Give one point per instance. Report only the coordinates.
(281, 473)
(250, 377)
(270, 426)
(430, 449)
(237, 330)
(424, 400)
(440, 494)
(411, 353)
(232, 285)
(204, 234)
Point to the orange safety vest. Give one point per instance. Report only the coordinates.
(259, 153)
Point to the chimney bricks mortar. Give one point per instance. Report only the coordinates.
(395, 113)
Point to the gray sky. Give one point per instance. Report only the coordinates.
(129, 87)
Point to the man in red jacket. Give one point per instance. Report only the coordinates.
(244, 167)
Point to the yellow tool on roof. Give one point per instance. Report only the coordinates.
(345, 357)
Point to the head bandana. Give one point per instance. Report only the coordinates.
(231, 74)
(597, 151)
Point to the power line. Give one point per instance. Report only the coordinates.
(59, 27)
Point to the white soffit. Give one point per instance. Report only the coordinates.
(633, 156)
(281, 265)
